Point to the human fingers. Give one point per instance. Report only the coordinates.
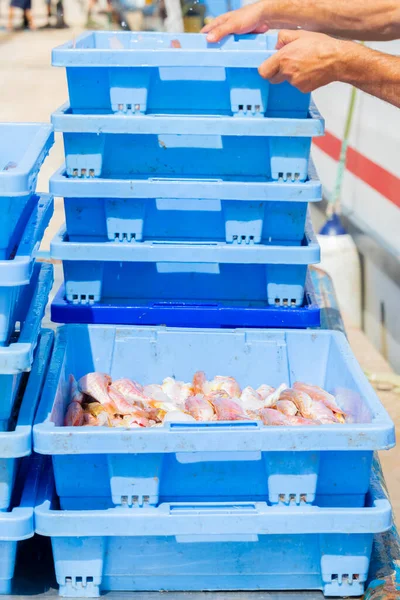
(215, 23)
(286, 36)
(270, 67)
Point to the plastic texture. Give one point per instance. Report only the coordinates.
(17, 357)
(189, 314)
(204, 272)
(17, 441)
(272, 211)
(192, 146)
(119, 549)
(18, 524)
(161, 73)
(23, 148)
(16, 272)
(99, 467)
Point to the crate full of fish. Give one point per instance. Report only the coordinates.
(120, 146)
(23, 148)
(236, 212)
(16, 440)
(214, 271)
(174, 74)
(191, 313)
(16, 358)
(16, 270)
(140, 416)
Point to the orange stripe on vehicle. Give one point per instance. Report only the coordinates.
(378, 178)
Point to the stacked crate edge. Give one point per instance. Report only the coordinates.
(20, 472)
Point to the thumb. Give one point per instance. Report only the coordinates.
(270, 67)
(286, 36)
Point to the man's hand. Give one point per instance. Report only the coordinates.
(306, 60)
(249, 19)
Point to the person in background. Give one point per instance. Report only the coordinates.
(26, 7)
(92, 4)
(320, 52)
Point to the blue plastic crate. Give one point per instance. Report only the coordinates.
(138, 73)
(191, 146)
(16, 272)
(99, 467)
(23, 148)
(214, 8)
(18, 524)
(204, 272)
(189, 314)
(235, 212)
(17, 357)
(17, 441)
(212, 546)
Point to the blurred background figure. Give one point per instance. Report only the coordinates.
(91, 23)
(26, 7)
(59, 14)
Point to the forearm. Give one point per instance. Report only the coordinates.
(373, 72)
(351, 19)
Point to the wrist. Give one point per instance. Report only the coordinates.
(350, 61)
(279, 14)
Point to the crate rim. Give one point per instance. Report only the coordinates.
(186, 188)
(220, 54)
(16, 183)
(66, 122)
(166, 252)
(243, 436)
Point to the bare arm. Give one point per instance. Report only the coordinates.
(351, 19)
(373, 72)
(310, 60)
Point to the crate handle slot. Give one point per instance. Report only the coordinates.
(220, 425)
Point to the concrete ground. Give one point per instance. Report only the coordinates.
(31, 89)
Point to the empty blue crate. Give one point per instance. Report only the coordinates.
(205, 272)
(23, 148)
(102, 467)
(178, 546)
(162, 73)
(16, 442)
(189, 314)
(18, 524)
(191, 146)
(16, 358)
(238, 212)
(16, 271)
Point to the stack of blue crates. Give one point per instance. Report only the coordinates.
(190, 175)
(25, 348)
(186, 186)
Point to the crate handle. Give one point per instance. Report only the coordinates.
(220, 508)
(183, 180)
(216, 425)
(184, 305)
